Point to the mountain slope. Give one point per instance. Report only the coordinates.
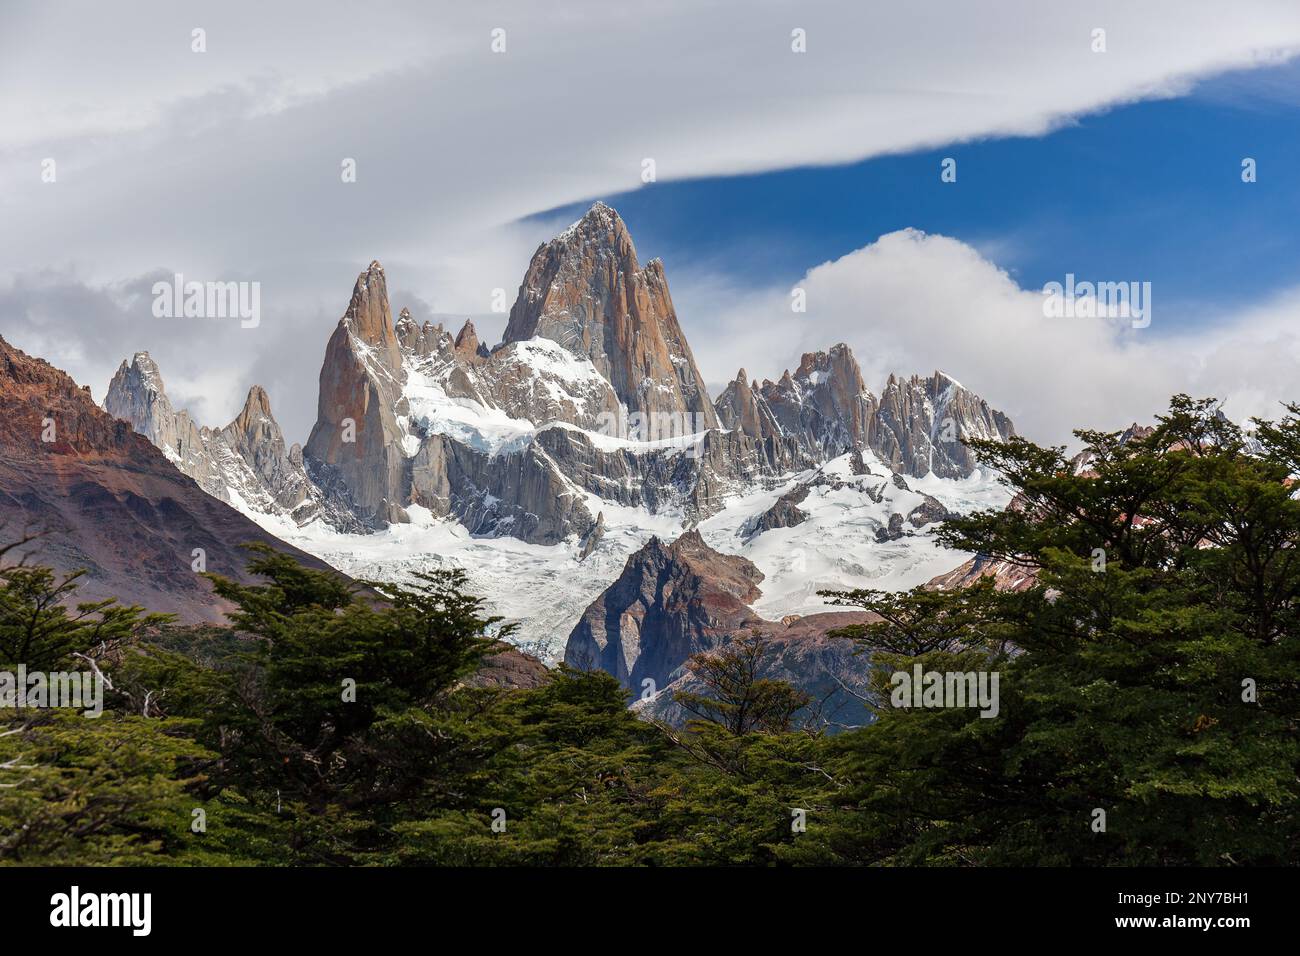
(106, 499)
(674, 601)
(246, 464)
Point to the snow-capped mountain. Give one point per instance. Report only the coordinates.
(917, 426)
(245, 464)
(540, 464)
(586, 290)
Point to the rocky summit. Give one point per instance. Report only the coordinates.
(592, 398)
(918, 426)
(245, 464)
(586, 290)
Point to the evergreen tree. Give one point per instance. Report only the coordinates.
(1149, 674)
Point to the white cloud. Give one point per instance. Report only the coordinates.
(226, 164)
(912, 303)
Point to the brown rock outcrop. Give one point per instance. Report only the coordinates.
(673, 601)
(586, 290)
(670, 602)
(356, 436)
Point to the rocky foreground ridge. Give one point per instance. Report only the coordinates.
(676, 600)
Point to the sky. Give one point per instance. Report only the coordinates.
(773, 169)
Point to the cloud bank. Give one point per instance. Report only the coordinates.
(225, 165)
(912, 303)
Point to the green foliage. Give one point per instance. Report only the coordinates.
(38, 628)
(1149, 670)
(1123, 688)
(569, 772)
(738, 698)
(321, 704)
(109, 791)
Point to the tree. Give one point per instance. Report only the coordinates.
(1149, 679)
(735, 695)
(109, 791)
(568, 776)
(42, 629)
(337, 677)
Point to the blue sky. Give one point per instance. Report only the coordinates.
(1150, 191)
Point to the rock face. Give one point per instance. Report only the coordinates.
(799, 651)
(916, 427)
(670, 602)
(246, 463)
(509, 668)
(108, 500)
(521, 493)
(673, 601)
(356, 439)
(136, 394)
(824, 403)
(586, 290)
(740, 409)
(1006, 576)
(921, 423)
(743, 409)
(784, 514)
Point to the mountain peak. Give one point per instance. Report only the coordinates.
(645, 624)
(361, 383)
(923, 423)
(144, 371)
(257, 437)
(601, 224)
(136, 395)
(585, 290)
(943, 379)
(467, 344)
(368, 314)
(257, 403)
(824, 402)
